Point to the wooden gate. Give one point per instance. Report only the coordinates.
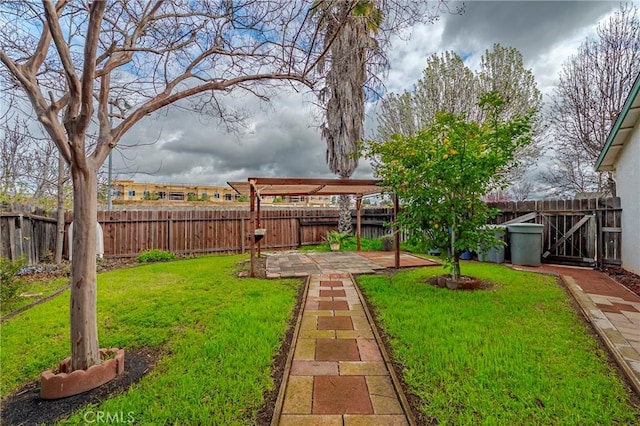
(585, 232)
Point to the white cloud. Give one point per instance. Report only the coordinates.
(281, 140)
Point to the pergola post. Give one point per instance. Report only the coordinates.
(358, 234)
(252, 233)
(396, 239)
(258, 225)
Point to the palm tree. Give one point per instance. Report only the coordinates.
(349, 29)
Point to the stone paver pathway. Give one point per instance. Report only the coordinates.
(338, 375)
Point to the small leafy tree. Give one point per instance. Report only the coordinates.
(441, 173)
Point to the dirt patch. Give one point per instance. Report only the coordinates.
(25, 407)
(279, 363)
(626, 278)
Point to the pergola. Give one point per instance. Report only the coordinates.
(256, 187)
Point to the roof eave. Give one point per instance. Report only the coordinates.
(609, 165)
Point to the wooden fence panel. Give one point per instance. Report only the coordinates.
(127, 233)
(596, 240)
(30, 235)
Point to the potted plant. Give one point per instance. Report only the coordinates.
(335, 238)
(387, 242)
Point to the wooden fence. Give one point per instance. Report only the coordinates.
(127, 233)
(579, 232)
(25, 234)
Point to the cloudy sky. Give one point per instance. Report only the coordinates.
(280, 139)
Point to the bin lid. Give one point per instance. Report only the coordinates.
(525, 228)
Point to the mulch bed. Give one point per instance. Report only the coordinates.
(626, 278)
(25, 407)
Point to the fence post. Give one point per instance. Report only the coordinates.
(169, 233)
(242, 235)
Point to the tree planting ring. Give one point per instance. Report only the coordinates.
(68, 383)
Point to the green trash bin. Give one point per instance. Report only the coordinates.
(494, 254)
(525, 240)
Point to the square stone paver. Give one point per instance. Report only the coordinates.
(314, 368)
(331, 284)
(354, 334)
(341, 395)
(306, 350)
(333, 306)
(332, 293)
(337, 350)
(363, 368)
(310, 420)
(383, 396)
(298, 397)
(376, 420)
(335, 323)
(369, 350)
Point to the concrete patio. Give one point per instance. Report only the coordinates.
(301, 264)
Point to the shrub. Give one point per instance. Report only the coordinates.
(155, 255)
(9, 280)
(335, 237)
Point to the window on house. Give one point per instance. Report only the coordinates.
(162, 195)
(227, 197)
(216, 196)
(132, 193)
(176, 196)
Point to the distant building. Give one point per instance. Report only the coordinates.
(129, 191)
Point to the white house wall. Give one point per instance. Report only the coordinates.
(627, 177)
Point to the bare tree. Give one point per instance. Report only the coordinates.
(27, 162)
(521, 190)
(148, 55)
(448, 85)
(13, 159)
(593, 87)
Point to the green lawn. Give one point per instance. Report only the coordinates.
(46, 287)
(219, 334)
(517, 354)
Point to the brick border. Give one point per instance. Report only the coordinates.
(277, 411)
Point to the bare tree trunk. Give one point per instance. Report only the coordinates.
(455, 257)
(344, 218)
(84, 328)
(60, 212)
